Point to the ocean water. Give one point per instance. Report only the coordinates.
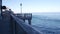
(47, 23)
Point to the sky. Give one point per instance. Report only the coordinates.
(33, 6)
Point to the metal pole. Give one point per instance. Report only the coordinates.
(0, 8)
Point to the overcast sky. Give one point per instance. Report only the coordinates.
(33, 6)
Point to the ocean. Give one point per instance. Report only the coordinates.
(48, 23)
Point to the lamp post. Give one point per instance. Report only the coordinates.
(21, 7)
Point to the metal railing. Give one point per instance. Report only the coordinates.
(28, 29)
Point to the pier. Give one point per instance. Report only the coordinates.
(11, 23)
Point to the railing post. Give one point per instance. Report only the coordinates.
(29, 22)
(14, 27)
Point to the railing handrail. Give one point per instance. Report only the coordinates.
(26, 27)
